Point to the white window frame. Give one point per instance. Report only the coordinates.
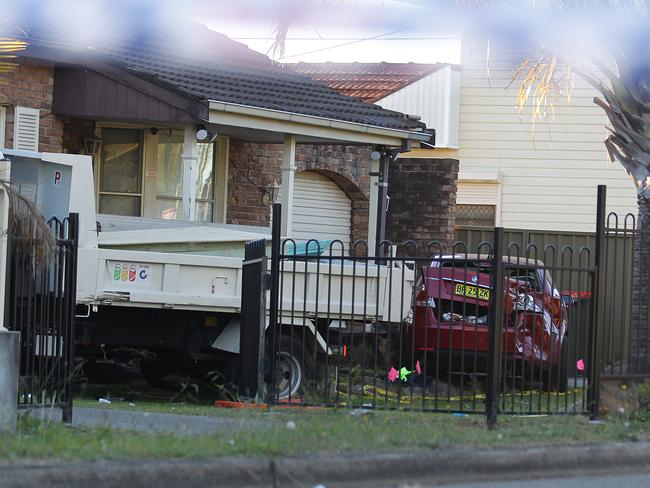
(100, 160)
(148, 193)
(3, 125)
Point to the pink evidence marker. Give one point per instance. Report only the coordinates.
(393, 374)
(580, 365)
(418, 369)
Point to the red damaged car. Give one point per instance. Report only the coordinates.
(451, 314)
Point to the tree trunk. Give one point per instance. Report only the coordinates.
(640, 326)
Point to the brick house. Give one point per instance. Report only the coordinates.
(422, 191)
(512, 172)
(137, 108)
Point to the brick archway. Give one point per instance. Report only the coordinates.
(254, 166)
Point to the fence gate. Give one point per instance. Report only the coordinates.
(41, 306)
(253, 303)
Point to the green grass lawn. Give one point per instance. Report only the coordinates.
(140, 396)
(294, 431)
(311, 431)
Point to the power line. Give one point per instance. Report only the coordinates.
(345, 38)
(340, 45)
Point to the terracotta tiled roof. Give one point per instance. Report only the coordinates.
(369, 82)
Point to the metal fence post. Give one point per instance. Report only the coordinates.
(495, 330)
(71, 294)
(274, 284)
(598, 305)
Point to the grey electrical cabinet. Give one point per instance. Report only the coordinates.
(45, 183)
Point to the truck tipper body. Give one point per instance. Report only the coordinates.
(181, 308)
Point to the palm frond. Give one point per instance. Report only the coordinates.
(541, 81)
(29, 227)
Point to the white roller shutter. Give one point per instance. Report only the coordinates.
(321, 210)
(477, 194)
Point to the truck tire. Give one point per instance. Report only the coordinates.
(155, 373)
(294, 365)
(557, 378)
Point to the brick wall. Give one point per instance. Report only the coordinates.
(31, 85)
(74, 133)
(422, 201)
(257, 165)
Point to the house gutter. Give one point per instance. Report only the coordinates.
(370, 133)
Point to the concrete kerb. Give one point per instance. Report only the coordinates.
(338, 470)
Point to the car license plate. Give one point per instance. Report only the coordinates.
(472, 292)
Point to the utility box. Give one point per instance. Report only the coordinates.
(45, 183)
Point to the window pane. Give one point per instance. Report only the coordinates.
(121, 165)
(168, 209)
(169, 179)
(477, 215)
(205, 172)
(204, 211)
(169, 167)
(119, 205)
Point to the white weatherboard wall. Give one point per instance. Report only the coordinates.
(321, 210)
(434, 98)
(548, 176)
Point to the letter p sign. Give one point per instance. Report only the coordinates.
(58, 176)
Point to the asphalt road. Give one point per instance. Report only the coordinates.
(590, 481)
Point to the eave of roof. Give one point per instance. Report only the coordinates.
(309, 125)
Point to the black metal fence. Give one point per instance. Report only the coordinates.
(453, 328)
(620, 235)
(626, 342)
(624, 347)
(41, 306)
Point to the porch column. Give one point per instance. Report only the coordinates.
(374, 207)
(288, 172)
(190, 159)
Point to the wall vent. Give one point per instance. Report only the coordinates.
(26, 122)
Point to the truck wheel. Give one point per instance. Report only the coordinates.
(292, 369)
(155, 373)
(557, 379)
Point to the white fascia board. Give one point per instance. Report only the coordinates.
(291, 123)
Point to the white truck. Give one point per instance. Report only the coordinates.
(181, 309)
